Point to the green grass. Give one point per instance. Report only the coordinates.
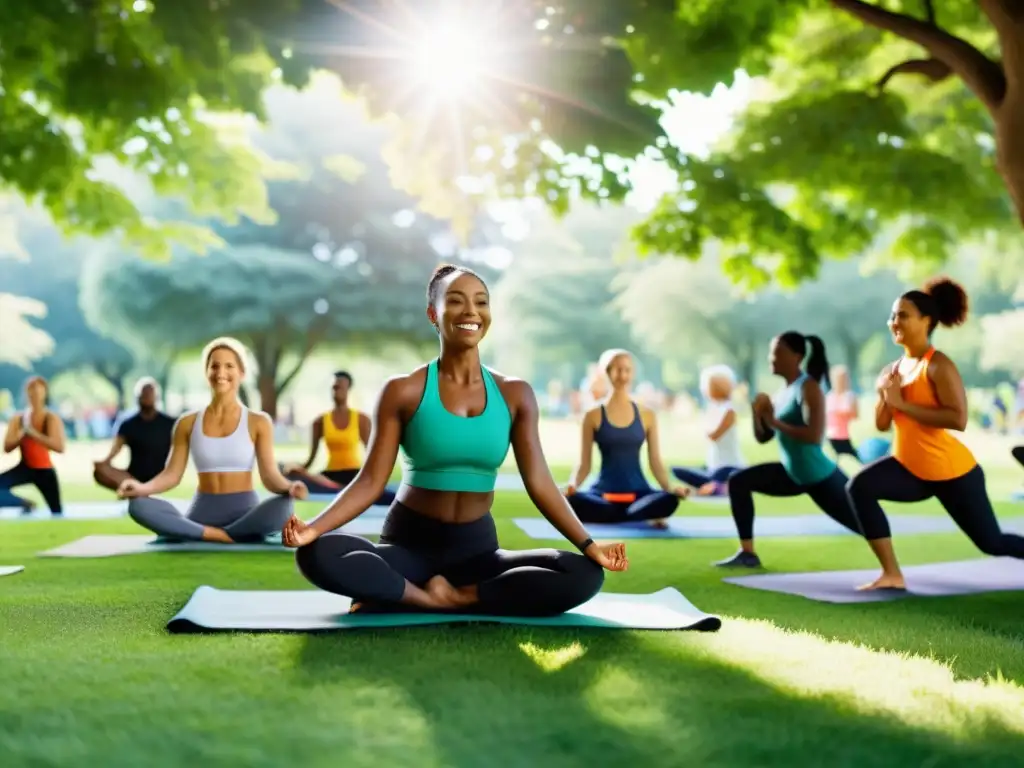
(89, 676)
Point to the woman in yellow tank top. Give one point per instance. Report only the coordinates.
(345, 432)
(921, 396)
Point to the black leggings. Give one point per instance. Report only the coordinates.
(964, 498)
(1018, 454)
(415, 548)
(592, 507)
(843, 446)
(829, 495)
(43, 479)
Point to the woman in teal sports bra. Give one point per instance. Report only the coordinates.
(454, 421)
(797, 417)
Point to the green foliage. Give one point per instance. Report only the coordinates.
(820, 164)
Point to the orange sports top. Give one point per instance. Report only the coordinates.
(34, 454)
(930, 453)
(344, 450)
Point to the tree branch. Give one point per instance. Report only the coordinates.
(313, 338)
(929, 11)
(1007, 16)
(983, 76)
(933, 69)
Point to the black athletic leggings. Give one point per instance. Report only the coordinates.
(592, 507)
(414, 547)
(1018, 454)
(43, 479)
(843, 446)
(829, 495)
(964, 498)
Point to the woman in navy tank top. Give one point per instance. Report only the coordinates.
(620, 427)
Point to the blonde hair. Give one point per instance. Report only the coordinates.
(231, 344)
(713, 372)
(604, 362)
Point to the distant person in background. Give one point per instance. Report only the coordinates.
(620, 427)
(345, 431)
(840, 412)
(723, 453)
(147, 433)
(36, 432)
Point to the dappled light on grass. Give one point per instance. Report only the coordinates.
(553, 659)
(917, 692)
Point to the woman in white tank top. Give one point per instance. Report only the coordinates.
(225, 440)
(723, 452)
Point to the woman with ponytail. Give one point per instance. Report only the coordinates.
(921, 397)
(797, 416)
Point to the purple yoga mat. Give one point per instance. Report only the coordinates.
(966, 577)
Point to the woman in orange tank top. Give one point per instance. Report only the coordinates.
(921, 396)
(35, 432)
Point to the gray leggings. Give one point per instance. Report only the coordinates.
(242, 515)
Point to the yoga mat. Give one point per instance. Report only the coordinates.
(10, 570)
(1017, 496)
(87, 510)
(965, 577)
(723, 527)
(211, 609)
(111, 546)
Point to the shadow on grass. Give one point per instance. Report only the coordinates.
(624, 699)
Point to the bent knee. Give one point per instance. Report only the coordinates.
(587, 576)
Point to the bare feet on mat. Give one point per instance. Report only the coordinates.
(659, 525)
(885, 581)
(217, 534)
(708, 489)
(447, 596)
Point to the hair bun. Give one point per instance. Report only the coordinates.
(950, 299)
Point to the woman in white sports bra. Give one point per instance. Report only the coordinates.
(225, 439)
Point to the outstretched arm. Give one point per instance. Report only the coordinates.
(951, 413)
(583, 467)
(317, 432)
(533, 467)
(366, 488)
(814, 413)
(270, 474)
(114, 449)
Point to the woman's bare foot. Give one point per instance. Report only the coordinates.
(885, 581)
(216, 534)
(708, 489)
(447, 596)
(661, 525)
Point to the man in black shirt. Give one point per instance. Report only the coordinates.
(148, 437)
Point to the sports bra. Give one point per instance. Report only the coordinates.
(343, 445)
(233, 453)
(34, 454)
(445, 452)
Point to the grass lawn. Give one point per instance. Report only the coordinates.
(89, 676)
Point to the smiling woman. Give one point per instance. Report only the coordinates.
(224, 439)
(454, 421)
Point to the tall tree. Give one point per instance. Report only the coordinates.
(902, 122)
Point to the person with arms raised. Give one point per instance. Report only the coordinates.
(454, 421)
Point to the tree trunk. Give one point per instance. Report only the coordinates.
(266, 382)
(746, 362)
(243, 395)
(1009, 133)
(116, 380)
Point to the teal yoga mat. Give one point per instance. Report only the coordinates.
(210, 610)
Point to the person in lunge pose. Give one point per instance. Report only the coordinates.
(454, 420)
(797, 418)
(35, 433)
(921, 397)
(224, 439)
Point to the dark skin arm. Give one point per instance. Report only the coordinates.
(883, 413)
(317, 436)
(368, 485)
(364, 428)
(762, 432)
(814, 415)
(951, 412)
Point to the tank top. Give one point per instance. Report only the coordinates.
(445, 452)
(930, 453)
(233, 453)
(620, 455)
(34, 454)
(838, 415)
(725, 451)
(344, 449)
(805, 462)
